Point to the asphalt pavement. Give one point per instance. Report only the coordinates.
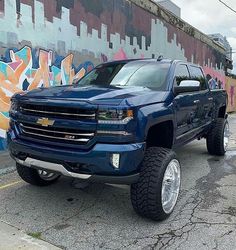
(101, 216)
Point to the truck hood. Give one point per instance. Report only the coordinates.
(98, 95)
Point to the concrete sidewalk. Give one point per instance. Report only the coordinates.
(7, 164)
(12, 238)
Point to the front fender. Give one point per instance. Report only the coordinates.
(151, 115)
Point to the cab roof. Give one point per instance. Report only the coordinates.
(137, 60)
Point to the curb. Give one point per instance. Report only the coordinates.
(12, 238)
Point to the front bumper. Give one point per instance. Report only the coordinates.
(58, 168)
(93, 165)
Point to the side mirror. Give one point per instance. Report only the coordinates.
(187, 86)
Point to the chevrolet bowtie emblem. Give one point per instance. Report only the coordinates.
(45, 122)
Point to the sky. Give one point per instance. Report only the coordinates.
(211, 16)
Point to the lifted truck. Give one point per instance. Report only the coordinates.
(119, 124)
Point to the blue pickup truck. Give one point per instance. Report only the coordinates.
(119, 124)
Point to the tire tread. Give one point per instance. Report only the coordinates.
(146, 193)
(214, 140)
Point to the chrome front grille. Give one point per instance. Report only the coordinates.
(58, 112)
(56, 133)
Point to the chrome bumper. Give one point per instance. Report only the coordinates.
(58, 168)
(54, 167)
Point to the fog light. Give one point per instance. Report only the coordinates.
(115, 160)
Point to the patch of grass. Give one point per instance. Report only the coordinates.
(36, 235)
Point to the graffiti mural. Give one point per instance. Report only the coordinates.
(231, 90)
(29, 69)
(216, 79)
(49, 43)
(231, 96)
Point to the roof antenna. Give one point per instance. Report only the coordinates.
(160, 58)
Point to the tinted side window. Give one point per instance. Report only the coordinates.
(197, 74)
(181, 73)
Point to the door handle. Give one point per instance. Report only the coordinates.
(210, 98)
(196, 101)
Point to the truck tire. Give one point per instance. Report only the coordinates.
(155, 194)
(36, 177)
(218, 137)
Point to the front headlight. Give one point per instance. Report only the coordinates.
(14, 107)
(115, 116)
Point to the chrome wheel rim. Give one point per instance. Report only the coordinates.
(226, 136)
(47, 176)
(170, 186)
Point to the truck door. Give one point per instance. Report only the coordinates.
(204, 114)
(185, 105)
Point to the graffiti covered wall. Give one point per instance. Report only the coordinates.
(230, 86)
(48, 43)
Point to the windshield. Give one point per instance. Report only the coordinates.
(145, 74)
